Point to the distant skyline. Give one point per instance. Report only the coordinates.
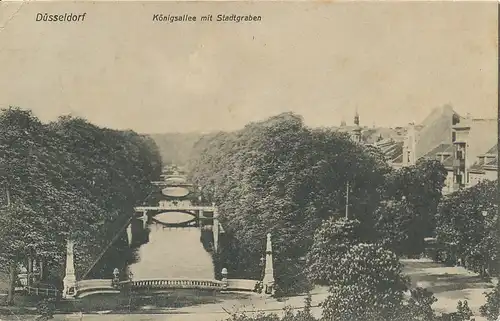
(393, 62)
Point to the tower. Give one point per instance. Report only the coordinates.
(409, 146)
(356, 132)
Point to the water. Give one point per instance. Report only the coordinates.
(172, 252)
(175, 191)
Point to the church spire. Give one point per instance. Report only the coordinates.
(356, 117)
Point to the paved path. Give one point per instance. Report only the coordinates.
(449, 285)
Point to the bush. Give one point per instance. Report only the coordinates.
(491, 309)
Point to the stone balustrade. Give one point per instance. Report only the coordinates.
(164, 206)
(94, 284)
(178, 284)
(86, 287)
(241, 284)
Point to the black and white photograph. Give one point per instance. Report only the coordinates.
(249, 161)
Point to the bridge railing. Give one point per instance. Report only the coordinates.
(50, 292)
(177, 284)
(93, 284)
(168, 206)
(241, 284)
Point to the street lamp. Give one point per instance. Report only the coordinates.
(116, 274)
(224, 278)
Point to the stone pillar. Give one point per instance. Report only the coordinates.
(201, 215)
(69, 281)
(129, 234)
(268, 281)
(144, 219)
(215, 230)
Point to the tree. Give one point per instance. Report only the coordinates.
(367, 285)
(491, 309)
(412, 197)
(394, 226)
(461, 224)
(66, 179)
(281, 177)
(332, 240)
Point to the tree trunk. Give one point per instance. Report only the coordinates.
(12, 283)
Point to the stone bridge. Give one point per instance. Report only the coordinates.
(96, 286)
(82, 288)
(99, 286)
(74, 288)
(171, 184)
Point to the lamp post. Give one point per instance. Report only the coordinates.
(347, 201)
(224, 278)
(116, 274)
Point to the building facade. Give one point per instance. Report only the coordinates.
(467, 147)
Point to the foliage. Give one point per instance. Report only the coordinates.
(394, 223)
(332, 240)
(67, 179)
(368, 284)
(366, 281)
(45, 309)
(491, 309)
(419, 306)
(288, 314)
(470, 235)
(281, 177)
(416, 308)
(463, 313)
(407, 215)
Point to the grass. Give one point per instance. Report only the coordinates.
(122, 303)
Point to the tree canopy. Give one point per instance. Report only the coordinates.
(467, 224)
(282, 177)
(67, 179)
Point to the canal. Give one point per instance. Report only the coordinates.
(165, 252)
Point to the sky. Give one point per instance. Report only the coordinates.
(393, 62)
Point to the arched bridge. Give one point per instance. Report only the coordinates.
(173, 176)
(98, 286)
(198, 211)
(172, 183)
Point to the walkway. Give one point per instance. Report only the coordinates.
(449, 285)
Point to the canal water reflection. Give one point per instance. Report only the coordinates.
(165, 252)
